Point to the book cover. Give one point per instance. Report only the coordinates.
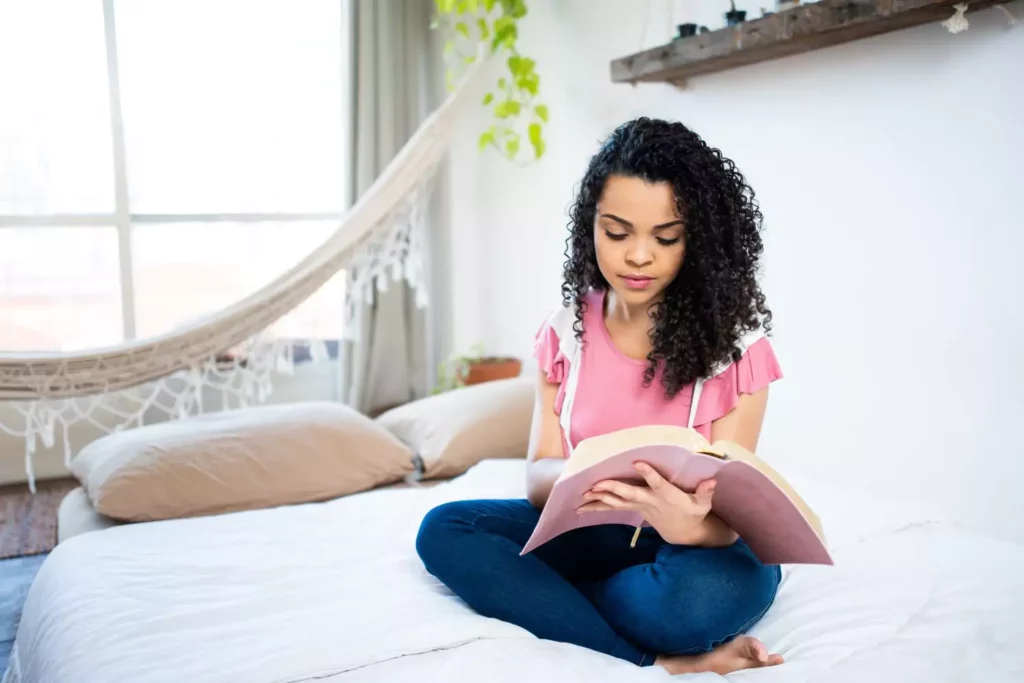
(750, 497)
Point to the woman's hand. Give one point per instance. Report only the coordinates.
(680, 518)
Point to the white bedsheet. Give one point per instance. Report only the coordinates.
(336, 592)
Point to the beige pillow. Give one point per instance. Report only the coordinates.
(455, 430)
(256, 457)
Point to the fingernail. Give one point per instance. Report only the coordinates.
(640, 466)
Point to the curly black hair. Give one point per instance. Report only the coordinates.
(716, 297)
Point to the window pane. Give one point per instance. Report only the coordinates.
(186, 270)
(55, 146)
(232, 106)
(59, 289)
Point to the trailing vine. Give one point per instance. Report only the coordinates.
(494, 25)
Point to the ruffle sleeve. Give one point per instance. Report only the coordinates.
(756, 369)
(552, 361)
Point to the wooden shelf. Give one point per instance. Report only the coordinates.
(800, 29)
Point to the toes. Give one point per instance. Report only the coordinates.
(758, 652)
(752, 648)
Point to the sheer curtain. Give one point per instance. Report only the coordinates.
(395, 86)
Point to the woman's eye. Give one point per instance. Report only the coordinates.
(668, 242)
(615, 236)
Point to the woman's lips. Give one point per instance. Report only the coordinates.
(637, 281)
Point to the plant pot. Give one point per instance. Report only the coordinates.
(490, 369)
(734, 17)
(689, 30)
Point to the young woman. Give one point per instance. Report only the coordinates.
(663, 323)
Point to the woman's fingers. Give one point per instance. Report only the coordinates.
(609, 501)
(595, 506)
(636, 494)
(704, 493)
(651, 476)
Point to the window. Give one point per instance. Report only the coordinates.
(161, 159)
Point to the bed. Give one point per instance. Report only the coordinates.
(335, 592)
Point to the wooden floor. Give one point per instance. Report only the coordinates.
(28, 522)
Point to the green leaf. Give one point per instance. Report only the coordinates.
(462, 28)
(518, 9)
(507, 108)
(502, 23)
(536, 140)
(445, 6)
(488, 98)
(485, 32)
(486, 138)
(488, 5)
(471, 6)
(505, 32)
(514, 64)
(541, 110)
(512, 146)
(530, 83)
(502, 83)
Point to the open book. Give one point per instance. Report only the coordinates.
(754, 500)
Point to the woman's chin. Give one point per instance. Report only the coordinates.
(637, 296)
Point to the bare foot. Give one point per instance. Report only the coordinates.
(742, 653)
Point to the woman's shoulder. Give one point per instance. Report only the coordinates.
(556, 345)
(756, 368)
(751, 346)
(560, 321)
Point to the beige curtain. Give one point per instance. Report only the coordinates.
(396, 85)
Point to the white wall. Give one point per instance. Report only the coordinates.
(890, 172)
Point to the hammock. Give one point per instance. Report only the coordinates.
(165, 376)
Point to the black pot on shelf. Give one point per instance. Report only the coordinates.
(689, 30)
(735, 16)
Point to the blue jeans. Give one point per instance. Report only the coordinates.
(589, 588)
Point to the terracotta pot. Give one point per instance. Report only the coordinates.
(490, 369)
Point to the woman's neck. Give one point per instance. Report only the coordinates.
(628, 326)
(627, 318)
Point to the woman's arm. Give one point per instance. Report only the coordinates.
(545, 457)
(742, 426)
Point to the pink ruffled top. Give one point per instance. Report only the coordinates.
(610, 394)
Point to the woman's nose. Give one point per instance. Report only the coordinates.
(640, 255)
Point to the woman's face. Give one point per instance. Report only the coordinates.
(639, 239)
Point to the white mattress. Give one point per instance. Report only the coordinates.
(336, 592)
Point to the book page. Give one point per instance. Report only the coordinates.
(595, 449)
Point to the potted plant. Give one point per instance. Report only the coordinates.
(519, 114)
(475, 367)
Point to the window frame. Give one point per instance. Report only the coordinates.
(123, 220)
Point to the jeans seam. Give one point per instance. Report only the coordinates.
(472, 522)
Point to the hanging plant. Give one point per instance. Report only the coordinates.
(494, 25)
